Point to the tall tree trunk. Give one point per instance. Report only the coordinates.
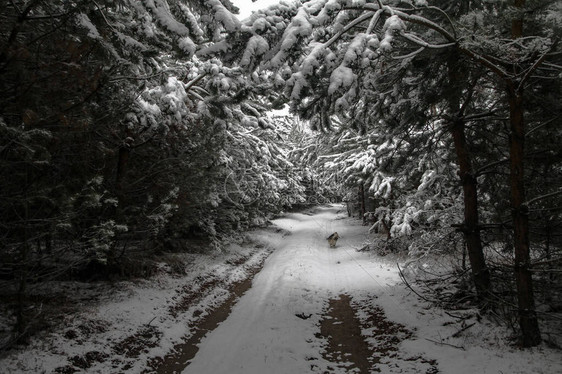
(517, 23)
(530, 333)
(526, 303)
(470, 229)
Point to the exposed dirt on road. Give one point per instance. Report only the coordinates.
(149, 336)
(179, 358)
(362, 345)
(346, 347)
(352, 343)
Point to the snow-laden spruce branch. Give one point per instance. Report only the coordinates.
(451, 38)
(374, 21)
(375, 11)
(349, 26)
(374, 14)
(412, 18)
(483, 60)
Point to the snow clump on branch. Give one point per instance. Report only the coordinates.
(224, 16)
(299, 28)
(392, 26)
(312, 61)
(257, 46)
(342, 77)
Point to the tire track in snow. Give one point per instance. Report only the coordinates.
(345, 347)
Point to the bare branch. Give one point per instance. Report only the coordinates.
(553, 66)
(443, 343)
(546, 123)
(489, 166)
(446, 16)
(194, 81)
(409, 54)
(103, 15)
(542, 197)
(417, 40)
(403, 278)
(533, 68)
(485, 62)
(477, 116)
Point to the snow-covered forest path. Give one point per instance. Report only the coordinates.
(309, 309)
(316, 309)
(308, 306)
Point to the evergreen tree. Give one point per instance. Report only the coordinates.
(120, 136)
(357, 60)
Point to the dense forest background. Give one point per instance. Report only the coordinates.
(129, 129)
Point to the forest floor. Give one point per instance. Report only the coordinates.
(280, 302)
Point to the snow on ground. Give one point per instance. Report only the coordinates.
(266, 331)
(134, 321)
(264, 335)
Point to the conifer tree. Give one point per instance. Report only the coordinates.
(346, 58)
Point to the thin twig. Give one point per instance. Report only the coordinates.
(409, 286)
(456, 334)
(443, 343)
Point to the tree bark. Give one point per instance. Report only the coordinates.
(523, 278)
(470, 229)
(517, 23)
(530, 332)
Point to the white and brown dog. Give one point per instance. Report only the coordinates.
(332, 239)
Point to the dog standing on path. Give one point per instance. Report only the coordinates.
(332, 239)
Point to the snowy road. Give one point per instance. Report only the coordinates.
(311, 309)
(264, 333)
(279, 325)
